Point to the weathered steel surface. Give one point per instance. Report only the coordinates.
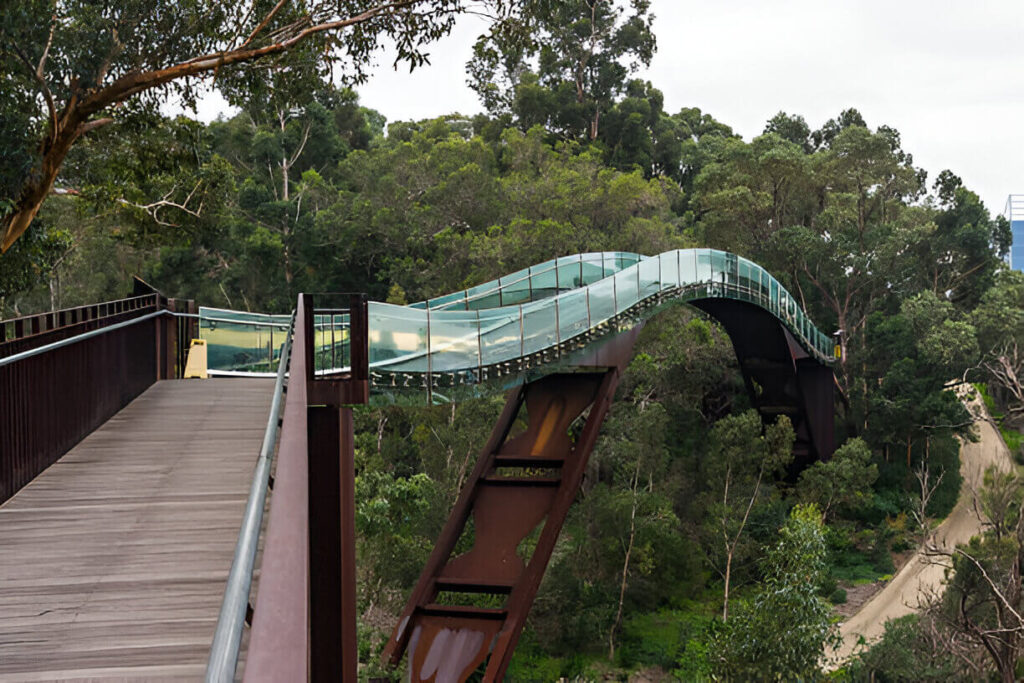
(49, 402)
(304, 622)
(114, 559)
(781, 378)
(279, 643)
(520, 484)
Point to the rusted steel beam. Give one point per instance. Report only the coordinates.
(347, 498)
(423, 592)
(448, 642)
(817, 390)
(331, 442)
(326, 654)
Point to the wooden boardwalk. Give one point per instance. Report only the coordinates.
(113, 560)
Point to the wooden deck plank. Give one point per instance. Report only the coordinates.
(113, 560)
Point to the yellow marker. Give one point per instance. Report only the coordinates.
(839, 351)
(195, 367)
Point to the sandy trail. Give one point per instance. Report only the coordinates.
(901, 595)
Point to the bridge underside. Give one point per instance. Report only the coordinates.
(781, 378)
(113, 560)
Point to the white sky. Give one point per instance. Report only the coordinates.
(946, 74)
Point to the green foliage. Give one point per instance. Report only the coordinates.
(902, 654)
(31, 261)
(534, 666)
(783, 630)
(661, 638)
(565, 63)
(737, 474)
(856, 556)
(390, 515)
(66, 63)
(843, 481)
(944, 457)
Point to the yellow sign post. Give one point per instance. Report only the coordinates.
(195, 366)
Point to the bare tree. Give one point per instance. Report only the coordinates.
(927, 487)
(1006, 367)
(983, 604)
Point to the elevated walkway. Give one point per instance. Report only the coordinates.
(113, 560)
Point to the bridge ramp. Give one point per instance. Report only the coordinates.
(113, 560)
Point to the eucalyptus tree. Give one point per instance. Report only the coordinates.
(565, 63)
(784, 631)
(739, 471)
(73, 66)
(1000, 322)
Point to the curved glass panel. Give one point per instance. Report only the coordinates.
(521, 326)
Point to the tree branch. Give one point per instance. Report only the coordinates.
(93, 125)
(41, 68)
(134, 83)
(263, 24)
(153, 208)
(45, 89)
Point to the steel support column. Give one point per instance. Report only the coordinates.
(333, 646)
(522, 483)
(332, 576)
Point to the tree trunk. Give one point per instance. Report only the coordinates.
(289, 275)
(54, 296)
(728, 571)
(35, 190)
(625, 566)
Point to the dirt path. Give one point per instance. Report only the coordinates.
(901, 595)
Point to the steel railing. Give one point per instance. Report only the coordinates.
(228, 636)
(71, 371)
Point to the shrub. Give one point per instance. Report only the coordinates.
(902, 654)
(658, 639)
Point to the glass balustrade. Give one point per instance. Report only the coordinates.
(551, 313)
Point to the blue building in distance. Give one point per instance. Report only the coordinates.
(1015, 214)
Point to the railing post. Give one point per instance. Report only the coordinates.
(331, 442)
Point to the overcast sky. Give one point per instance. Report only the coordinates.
(945, 74)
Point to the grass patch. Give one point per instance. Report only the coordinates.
(857, 573)
(990, 402)
(1013, 438)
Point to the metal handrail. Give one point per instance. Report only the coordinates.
(15, 357)
(227, 638)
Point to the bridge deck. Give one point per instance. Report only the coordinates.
(113, 560)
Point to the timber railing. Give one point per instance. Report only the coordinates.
(64, 373)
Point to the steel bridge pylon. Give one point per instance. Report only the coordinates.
(523, 480)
